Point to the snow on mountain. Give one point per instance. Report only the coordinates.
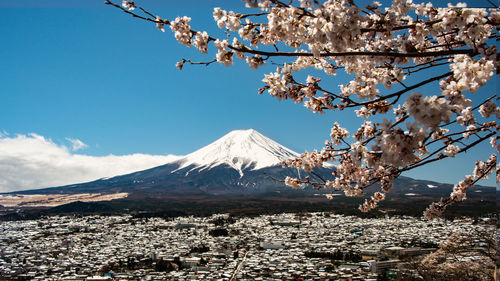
(240, 149)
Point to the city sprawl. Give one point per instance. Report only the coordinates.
(220, 247)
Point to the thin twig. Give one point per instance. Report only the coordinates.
(199, 62)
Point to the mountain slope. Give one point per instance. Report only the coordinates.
(238, 163)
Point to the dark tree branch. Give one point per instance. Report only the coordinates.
(470, 52)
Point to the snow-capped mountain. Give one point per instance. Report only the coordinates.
(242, 161)
(240, 150)
(241, 164)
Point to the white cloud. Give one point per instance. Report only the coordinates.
(76, 144)
(33, 161)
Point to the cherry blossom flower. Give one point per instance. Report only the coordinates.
(489, 108)
(159, 24)
(293, 182)
(179, 65)
(182, 30)
(129, 5)
(201, 41)
(255, 61)
(451, 150)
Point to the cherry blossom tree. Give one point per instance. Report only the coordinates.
(380, 48)
(462, 256)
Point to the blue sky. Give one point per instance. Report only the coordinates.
(80, 69)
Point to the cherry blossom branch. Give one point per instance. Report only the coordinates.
(432, 62)
(446, 137)
(481, 171)
(379, 47)
(492, 4)
(180, 64)
(469, 52)
(473, 109)
(398, 28)
(147, 13)
(251, 15)
(426, 67)
(397, 172)
(107, 2)
(246, 49)
(351, 103)
(399, 93)
(440, 157)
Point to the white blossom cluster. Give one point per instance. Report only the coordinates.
(338, 134)
(201, 41)
(428, 111)
(365, 131)
(292, 182)
(277, 85)
(255, 61)
(495, 145)
(223, 55)
(470, 74)
(377, 47)
(182, 31)
(451, 150)
(227, 20)
(472, 24)
(372, 202)
(399, 147)
(488, 109)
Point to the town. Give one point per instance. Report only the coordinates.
(302, 246)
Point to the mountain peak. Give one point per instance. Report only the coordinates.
(249, 131)
(239, 149)
(241, 133)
